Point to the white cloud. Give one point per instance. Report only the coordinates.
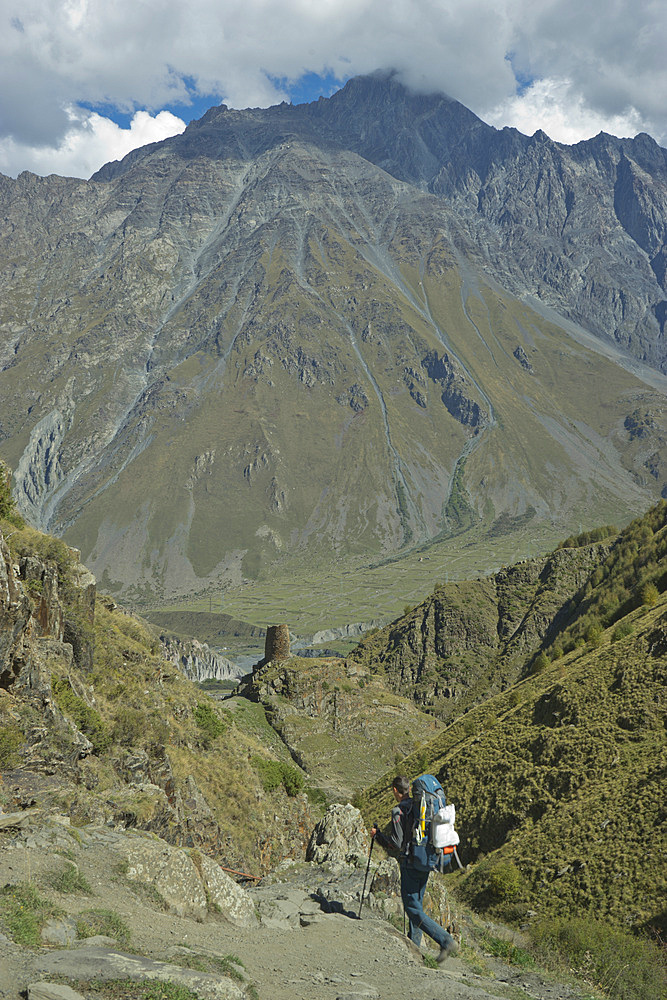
(555, 107)
(58, 54)
(88, 143)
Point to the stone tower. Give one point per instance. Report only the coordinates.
(277, 646)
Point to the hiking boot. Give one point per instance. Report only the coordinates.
(447, 950)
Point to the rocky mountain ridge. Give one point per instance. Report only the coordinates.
(469, 639)
(541, 197)
(198, 661)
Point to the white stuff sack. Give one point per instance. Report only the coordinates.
(443, 833)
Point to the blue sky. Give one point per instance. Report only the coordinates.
(84, 81)
(308, 88)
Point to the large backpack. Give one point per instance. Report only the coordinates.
(433, 836)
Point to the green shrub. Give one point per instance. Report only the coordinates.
(540, 663)
(507, 950)
(85, 718)
(623, 966)
(316, 796)
(274, 773)
(11, 739)
(68, 879)
(504, 881)
(130, 727)
(622, 630)
(594, 635)
(209, 722)
(93, 922)
(649, 594)
(292, 780)
(588, 537)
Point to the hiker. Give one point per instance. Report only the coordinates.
(413, 880)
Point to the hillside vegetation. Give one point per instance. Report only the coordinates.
(95, 722)
(559, 779)
(470, 639)
(557, 767)
(341, 723)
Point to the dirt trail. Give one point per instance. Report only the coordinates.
(297, 952)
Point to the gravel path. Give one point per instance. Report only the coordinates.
(296, 952)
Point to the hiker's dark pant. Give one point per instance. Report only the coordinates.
(413, 884)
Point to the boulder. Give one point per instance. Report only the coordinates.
(100, 964)
(339, 838)
(225, 895)
(59, 932)
(170, 871)
(188, 882)
(52, 991)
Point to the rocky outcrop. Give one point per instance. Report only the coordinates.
(197, 660)
(522, 358)
(350, 631)
(473, 637)
(339, 838)
(190, 883)
(15, 614)
(340, 724)
(35, 624)
(40, 469)
(444, 372)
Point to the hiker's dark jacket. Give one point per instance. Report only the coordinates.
(398, 835)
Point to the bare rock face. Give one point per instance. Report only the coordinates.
(443, 652)
(197, 660)
(339, 838)
(52, 991)
(15, 614)
(32, 624)
(455, 391)
(35, 622)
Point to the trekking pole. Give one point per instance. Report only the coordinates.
(363, 891)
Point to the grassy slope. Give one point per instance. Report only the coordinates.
(342, 724)
(133, 702)
(562, 777)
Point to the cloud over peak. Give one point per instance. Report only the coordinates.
(568, 67)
